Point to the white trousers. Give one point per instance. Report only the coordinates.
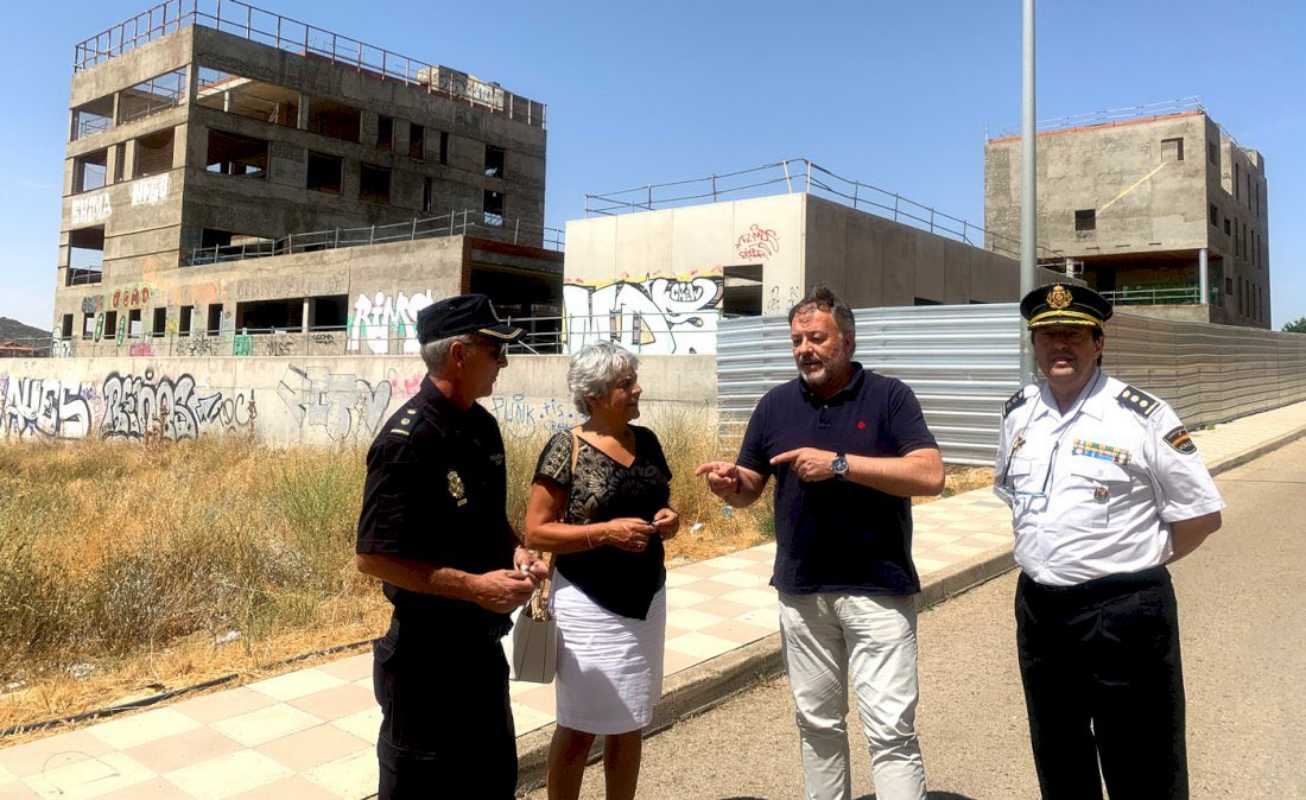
(827, 635)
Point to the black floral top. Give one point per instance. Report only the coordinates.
(618, 580)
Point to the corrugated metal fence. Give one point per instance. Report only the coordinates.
(1207, 373)
(963, 361)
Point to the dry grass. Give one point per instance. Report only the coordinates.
(125, 569)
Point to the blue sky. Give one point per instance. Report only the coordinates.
(894, 94)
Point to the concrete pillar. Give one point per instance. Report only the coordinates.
(129, 166)
(1203, 281)
(301, 121)
(304, 322)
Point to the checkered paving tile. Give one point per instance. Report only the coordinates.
(311, 733)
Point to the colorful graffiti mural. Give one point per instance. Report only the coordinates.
(657, 315)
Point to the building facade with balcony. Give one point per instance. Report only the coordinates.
(1152, 208)
(215, 133)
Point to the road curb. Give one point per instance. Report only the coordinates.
(1253, 453)
(703, 686)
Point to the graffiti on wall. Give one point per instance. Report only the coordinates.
(131, 298)
(658, 315)
(342, 404)
(757, 243)
(379, 319)
(139, 405)
(44, 408)
(149, 191)
(520, 417)
(89, 209)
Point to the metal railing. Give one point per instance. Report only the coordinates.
(801, 175)
(390, 332)
(301, 38)
(1108, 115)
(452, 224)
(80, 276)
(1155, 297)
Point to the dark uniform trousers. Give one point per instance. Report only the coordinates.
(446, 729)
(1103, 682)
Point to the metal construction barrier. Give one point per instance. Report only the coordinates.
(961, 361)
(1207, 373)
(964, 361)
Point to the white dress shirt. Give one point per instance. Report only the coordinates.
(1093, 490)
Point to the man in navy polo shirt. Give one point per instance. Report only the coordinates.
(849, 448)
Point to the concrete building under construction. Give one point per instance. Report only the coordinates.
(1153, 204)
(213, 146)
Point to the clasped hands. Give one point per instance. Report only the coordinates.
(632, 533)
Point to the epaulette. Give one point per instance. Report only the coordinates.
(1138, 401)
(402, 429)
(1014, 402)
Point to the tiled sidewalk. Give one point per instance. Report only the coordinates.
(310, 734)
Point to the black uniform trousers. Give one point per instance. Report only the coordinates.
(1104, 684)
(446, 728)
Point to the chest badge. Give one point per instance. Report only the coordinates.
(1101, 494)
(456, 489)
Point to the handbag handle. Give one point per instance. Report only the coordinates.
(539, 604)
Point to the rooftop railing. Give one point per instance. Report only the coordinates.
(1108, 115)
(1155, 297)
(459, 223)
(284, 33)
(801, 175)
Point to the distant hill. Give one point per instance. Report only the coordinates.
(13, 330)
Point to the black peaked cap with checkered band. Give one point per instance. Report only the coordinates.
(1064, 304)
(464, 313)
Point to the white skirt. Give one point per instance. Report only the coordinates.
(609, 666)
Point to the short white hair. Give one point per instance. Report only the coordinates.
(595, 370)
(436, 351)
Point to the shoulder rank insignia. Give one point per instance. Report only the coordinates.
(1014, 402)
(1181, 441)
(1138, 401)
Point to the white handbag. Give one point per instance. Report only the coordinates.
(535, 635)
(535, 641)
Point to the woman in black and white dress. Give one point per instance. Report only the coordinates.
(600, 501)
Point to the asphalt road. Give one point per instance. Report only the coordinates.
(1243, 622)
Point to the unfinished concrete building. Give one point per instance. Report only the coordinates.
(216, 149)
(1162, 210)
(656, 267)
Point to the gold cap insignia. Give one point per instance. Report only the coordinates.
(1059, 297)
(456, 488)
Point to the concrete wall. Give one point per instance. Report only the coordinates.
(318, 401)
(659, 268)
(1145, 202)
(873, 262)
(1153, 212)
(659, 276)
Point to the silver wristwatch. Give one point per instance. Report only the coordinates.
(839, 466)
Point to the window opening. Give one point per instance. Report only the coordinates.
(333, 119)
(1172, 149)
(215, 319)
(494, 161)
(183, 320)
(493, 205)
(374, 184)
(385, 132)
(416, 141)
(90, 171)
(152, 96)
(93, 117)
(153, 154)
(110, 325)
(444, 147)
(246, 97)
(1086, 220)
(85, 255)
(428, 198)
(66, 327)
(233, 154)
(134, 329)
(324, 172)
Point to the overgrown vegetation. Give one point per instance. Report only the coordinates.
(167, 564)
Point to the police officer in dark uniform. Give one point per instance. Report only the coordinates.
(1106, 488)
(433, 528)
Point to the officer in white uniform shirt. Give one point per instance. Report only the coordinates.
(1106, 488)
